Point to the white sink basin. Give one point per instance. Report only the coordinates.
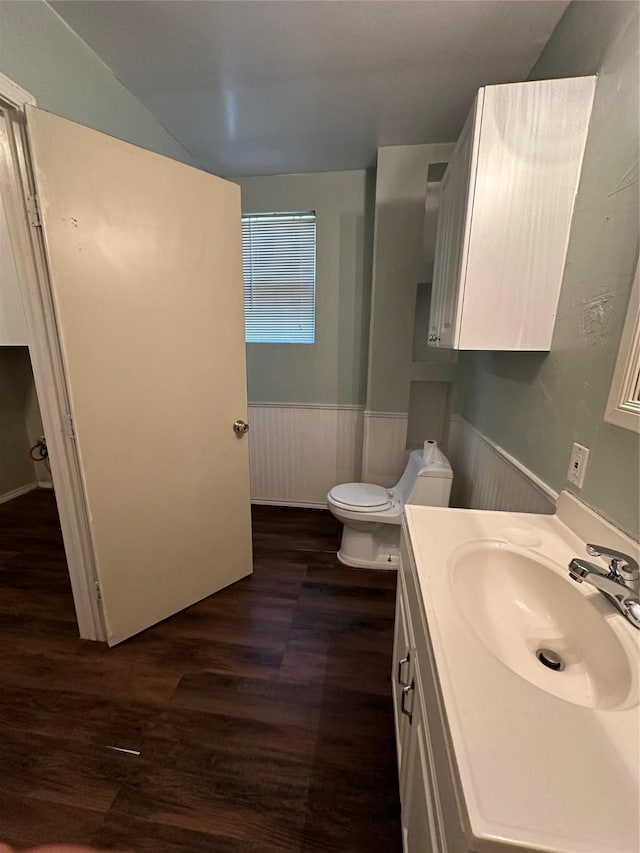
(536, 751)
(519, 604)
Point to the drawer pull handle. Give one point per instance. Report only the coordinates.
(405, 692)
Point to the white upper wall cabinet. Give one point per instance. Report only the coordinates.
(505, 215)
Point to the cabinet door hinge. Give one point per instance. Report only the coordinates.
(33, 211)
(98, 591)
(69, 429)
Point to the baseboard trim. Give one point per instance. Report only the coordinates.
(535, 481)
(299, 504)
(15, 493)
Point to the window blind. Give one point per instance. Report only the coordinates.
(279, 269)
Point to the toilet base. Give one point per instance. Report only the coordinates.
(370, 546)
(385, 563)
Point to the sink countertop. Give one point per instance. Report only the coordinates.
(535, 770)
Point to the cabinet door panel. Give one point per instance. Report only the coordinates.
(529, 158)
(440, 766)
(400, 675)
(453, 233)
(441, 269)
(421, 821)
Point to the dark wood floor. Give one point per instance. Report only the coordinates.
(262, 715)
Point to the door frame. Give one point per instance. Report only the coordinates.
(19, 197)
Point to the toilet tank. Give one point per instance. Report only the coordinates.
(427, 483)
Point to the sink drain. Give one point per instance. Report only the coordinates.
(550, 659)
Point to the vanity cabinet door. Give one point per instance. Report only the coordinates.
(431, 820)
(401, 674)
(421, 819)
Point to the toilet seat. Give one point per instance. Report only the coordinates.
(361, 497)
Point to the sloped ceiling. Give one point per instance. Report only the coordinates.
(262, 86)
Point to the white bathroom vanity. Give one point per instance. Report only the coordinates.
(495, 749)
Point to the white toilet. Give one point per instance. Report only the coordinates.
(371, 515)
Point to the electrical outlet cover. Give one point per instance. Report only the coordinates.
(578, 464)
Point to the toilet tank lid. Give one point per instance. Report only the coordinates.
(437, 467)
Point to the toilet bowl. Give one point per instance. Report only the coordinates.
(371, 515)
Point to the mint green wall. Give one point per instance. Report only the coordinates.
(41, 54)
(333, 370)
(537, 405)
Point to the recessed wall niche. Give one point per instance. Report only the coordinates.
(432, 375)
(429, 412)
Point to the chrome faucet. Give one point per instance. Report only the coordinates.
(613, 584)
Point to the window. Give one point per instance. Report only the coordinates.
(279, 267)
(623, 405)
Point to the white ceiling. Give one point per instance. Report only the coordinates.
(254, 87)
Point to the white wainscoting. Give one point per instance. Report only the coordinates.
(300, 451)
(486, 477)
(385, 441)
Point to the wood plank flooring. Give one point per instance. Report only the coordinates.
(262, 715)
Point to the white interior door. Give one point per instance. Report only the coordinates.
(145, 269)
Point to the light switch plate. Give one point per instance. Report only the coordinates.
(578, 464)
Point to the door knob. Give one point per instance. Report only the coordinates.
(241, 427)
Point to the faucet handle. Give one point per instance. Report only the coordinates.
(622, 565)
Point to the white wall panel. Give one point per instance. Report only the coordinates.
(486, 477)
(299, 452)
